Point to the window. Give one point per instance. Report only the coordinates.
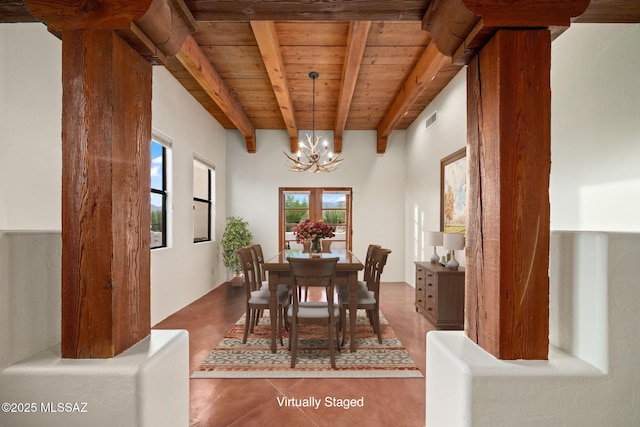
(159, 193)
(203, 184)
(332, 205)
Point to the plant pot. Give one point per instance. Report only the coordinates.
(237, 280)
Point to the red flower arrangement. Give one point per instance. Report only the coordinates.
(308, 230)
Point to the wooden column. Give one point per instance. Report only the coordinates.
(108, 47)
(509, 155)
(106, 134)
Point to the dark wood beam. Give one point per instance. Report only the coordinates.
(356, 43)
(610, 11)
(461, 27)
(300, 10)
(15, 11)
(267, 38)
(154, 28)
(509, 155)
(196, 63)
(425, 71)
(106, 134)
(448, 23)
(97, 15)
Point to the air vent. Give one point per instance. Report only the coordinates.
(431, 120)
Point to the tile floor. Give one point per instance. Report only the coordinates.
(253, 402)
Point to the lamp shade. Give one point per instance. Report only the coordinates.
(434, 238)
(453, 241)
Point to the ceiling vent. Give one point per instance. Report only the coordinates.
(431, 120)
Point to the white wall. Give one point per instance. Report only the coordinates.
(595, 128)
(595, 138)
(425, 149)
(377, 180)
(185, 271)
(30, 128)
(31, 161)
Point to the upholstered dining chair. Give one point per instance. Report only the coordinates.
(313, 272)
(258, 300)
(367, 299)
(368, 267)
(262, 283)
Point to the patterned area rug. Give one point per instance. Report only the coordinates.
(232, 359)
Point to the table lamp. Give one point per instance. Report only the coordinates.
(434, 238)
(453, 242)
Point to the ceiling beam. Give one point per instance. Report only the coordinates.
(607, 11)
(356, 43)
(15, 11)
(426, 70)
(196, 63)
(353, 10)
(267, 38)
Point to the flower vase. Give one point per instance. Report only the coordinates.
(316, 247)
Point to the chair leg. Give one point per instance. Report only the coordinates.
(252, 317)
(376, 322)
(338, 344)
(280, 322)
(247, 320)
(332, 353)
(293, 342)
(343, 323)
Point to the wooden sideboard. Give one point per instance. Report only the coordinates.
(440, 295)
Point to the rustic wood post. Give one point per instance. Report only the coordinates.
(107, 51)
(106, 134)
(509, 155)
(508, 53)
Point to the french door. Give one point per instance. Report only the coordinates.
(330, 204)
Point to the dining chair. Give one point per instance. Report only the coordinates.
(368, 265)
(258, 259)
(306, 248)
(262, 283)
(313, 272)
(368, 299)
(258, 300)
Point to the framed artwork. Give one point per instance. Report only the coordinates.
(453, 192)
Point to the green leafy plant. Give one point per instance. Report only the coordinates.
(236, 235)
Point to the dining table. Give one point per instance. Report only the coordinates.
(347, 268)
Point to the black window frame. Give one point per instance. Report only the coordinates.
(164, 194)
(208, 201)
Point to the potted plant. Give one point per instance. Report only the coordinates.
(236, 235)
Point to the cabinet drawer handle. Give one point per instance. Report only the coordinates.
(429, 274)
(428, 308)
(429, 284)
(429, 296)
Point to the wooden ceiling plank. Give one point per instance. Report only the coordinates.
(431, 61)
(267, 38)
(356, 43)
(194, 60)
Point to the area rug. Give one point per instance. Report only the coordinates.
(233, 359)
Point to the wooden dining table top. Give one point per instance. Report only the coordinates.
(346, 259)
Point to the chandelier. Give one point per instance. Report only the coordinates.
(313, 155)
